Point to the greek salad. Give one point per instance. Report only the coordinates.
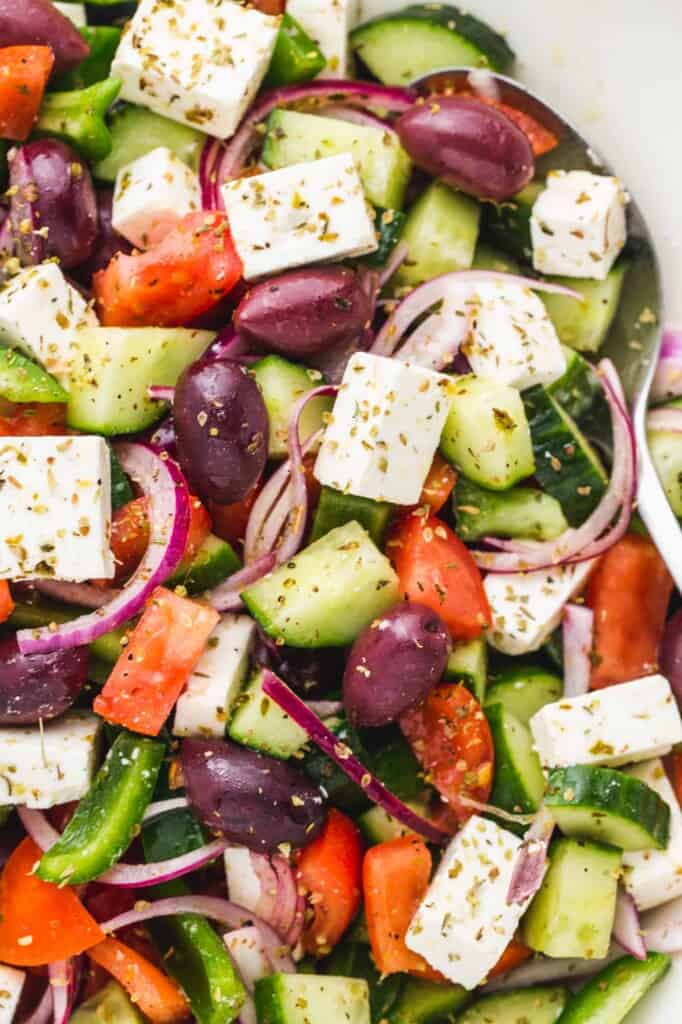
(339, 678)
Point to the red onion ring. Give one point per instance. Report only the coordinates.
(542, 970)
(665, 419)
(325, 708)
(64, 983)
(140, 876)
(498, 812)
(167, 494)
(663, 932)
(159, 807)
(626, 926)
(161, 393)
(353, 115)
(75, 593)
(667, 381)
(396, 259)
(531, 862)
(578, 625)
(209, 163)
(287, 897)
(38, 827)
(225, 597)
(43, 1011)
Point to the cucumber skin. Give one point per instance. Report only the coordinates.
(440, 231)
(578, 388)
(468, 664)
(525, 690)
(612, 993)
(524, 512)
(511, 791)
(336, 509)
(427, 1002)
(609, 792)
(542, 1004)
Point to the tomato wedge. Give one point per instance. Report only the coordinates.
(229, 521)
(438, 485)
(514, 955)
(6, 602)
(40, 922)
(451, 739)
(629, 594)
(158, 996)
(330, 872)
(34, 420)
(24, 71)
(436, 569)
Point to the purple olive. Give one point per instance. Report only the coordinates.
(249, 798)
(394, 664)
(38, 22)
(305, 312)
(221, 425)
(670, 654)
(107, 243)
(35, 686)
(469, 145)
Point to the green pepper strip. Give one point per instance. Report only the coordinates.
(295, 58)
(103, 41)
(22, 380)
(109, 815)
(78, 117)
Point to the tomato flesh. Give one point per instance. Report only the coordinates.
(24, 71)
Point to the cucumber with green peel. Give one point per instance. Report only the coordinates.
(384, 166)
(585, 325)
(428, 1002)
(468, 664)
(566, 465)
(608, 806)
(610, 995)
(22, 380)
(519, 783)
(388, 225)
(136, 131)
(541, 1005)
(282, 383)
(354, 960)
(486, 434)
(487, 257)
(336, 509)
(572, 914)
(507, 224)
(111, 1005)
(524, 512)
(342, 792)
(523, 690)
(328, 593)
(578, 389)
(440, 231)
(304, 998)
(259, 723)
(665, 447)
(377, 825)
(397, 48)
(214, 562)
(296, 57)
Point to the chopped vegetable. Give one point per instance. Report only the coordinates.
(6, 602)
(24, 71)
(157, 996)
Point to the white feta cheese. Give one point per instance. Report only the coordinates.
(653, 877)
(39, 311)
(578, 226)
(307, 213)
(384, 429)
(527, 607)
(151, 195)
(618, 725)
(328, 23)
(200, 63)
(216, 682)
(74, 12)
(464, 924)
(11, 984)
(52, 765)
(55, 508)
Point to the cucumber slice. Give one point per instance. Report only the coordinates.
(400, 47)
(427, 1002)
(666, 452)
(521, 512)
(293, 138)
(136, 131)
(572, 914)
(519, 784)
(525, 689)
(610, 995)
(342, 793)
(22, 380)
(352, 959)
(259, 723)
(585, 325)
(112, 367)
(336, 509)
(388, 225)
(468, 664)
(110, 1005)
(578, 388)
(296, 58)
(508, 224)
(328, 593)
(486, 257)
(441, 231)
(486, 434)
(608, 806)
(282, 384)
(541, 1005)
(566, 465)
(303, 998)
(377, 826)
(214, 562)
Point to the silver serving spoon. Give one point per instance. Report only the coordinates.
(635, 337)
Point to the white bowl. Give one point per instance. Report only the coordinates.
(613, 68)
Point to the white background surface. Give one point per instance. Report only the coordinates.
(614, 68)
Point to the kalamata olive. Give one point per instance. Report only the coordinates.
(469, 145)
(35, 686)
(310, 673)
(304, 312)
(394, 663)
(39, 22)
(249, 798)
(107, 243)
(221, 425)
(670, 654)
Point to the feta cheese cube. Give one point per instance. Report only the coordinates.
(618, 725)
(307, 213)
(655, 876)
(464, 924)
(578, 226)
(55, 508)
(384, 430)
(74, 12)
(200, 63)
(527, 607)
(39, 311)
(217, 680)
(11, 984)
(328, 23)
(151, 195)
(41, 768)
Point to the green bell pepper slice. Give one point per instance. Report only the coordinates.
(78, 117)
(103, 41)
(121, 491)
(296, 58)
(610, 995)
(108, 816)
(22, 380)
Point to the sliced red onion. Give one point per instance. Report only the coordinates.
(589, 540)
(250, 957)
(344, 758)
(498, 812)
(287, 899)
(140, 876)
(38, 827)
(542, 970)
(229, 345)
(665, 419)
(667, 382)
(161, 393)
(325, 708)
(578, 625)
(64, 978)
(396, 259)
(663, 928)
(75, 593)
(267, 886)
(226, 913)
(159, 807)
(626, 926)
(436, 342)
(225, 597)
(531, 863)
(43, 1011)
(353, 115)
(167, 494)
(209, 163)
